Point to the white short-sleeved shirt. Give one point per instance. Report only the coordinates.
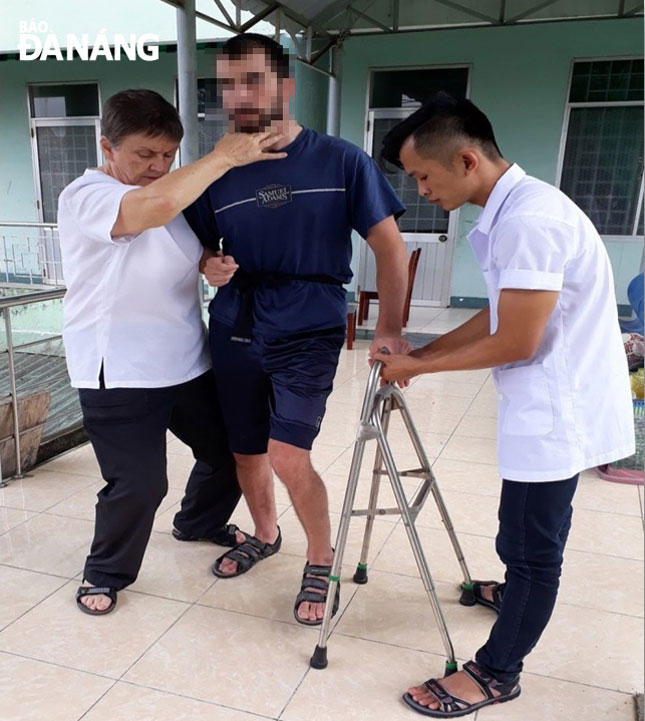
(132, 303)
(569, 407)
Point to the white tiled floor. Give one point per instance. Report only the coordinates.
(182, 645)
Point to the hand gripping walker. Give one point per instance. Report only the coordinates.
(378, 404)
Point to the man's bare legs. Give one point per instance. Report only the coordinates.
(256, 481)
(309, 498)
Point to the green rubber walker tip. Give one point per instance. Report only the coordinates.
(362, 566)
(468, 586)
(334, 578)
(451, 666)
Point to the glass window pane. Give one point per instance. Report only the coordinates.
(603, 165)
(64, 101)
(212, 122)
(208, 97)
(420, 216)
(408, 88)
(607, 81)
(210, 131)
(64, 153)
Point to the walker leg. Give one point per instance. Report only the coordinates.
(415, 543)
(443, 511)
(360, 575)
(319, 657)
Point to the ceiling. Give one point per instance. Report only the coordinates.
(317, 25)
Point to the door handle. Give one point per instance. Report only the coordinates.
(443, 238)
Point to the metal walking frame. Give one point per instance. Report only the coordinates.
(378, 404)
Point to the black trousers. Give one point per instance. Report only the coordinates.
(127, 428)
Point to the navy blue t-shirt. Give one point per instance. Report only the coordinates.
(294, 216)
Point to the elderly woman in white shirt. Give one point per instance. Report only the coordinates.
(135, 342)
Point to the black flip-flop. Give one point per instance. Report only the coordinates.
(247, 554)
(453, 707)
(108, 591)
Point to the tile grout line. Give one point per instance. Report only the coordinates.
(100, 698)
(57, 665)
(175, 694)
(44, 510)
(198, 700)
(42, 600)
(42, 573)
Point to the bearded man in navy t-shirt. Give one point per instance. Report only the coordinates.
(278, 247)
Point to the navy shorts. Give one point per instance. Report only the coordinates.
(274, 388)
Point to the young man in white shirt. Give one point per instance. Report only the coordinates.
(551, 334)
(135, 342)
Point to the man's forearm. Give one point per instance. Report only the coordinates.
(391, 287)
(476, 328)
(487, 352)
(386, 243)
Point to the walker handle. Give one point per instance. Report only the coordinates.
(372, 386)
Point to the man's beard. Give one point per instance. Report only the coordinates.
(257, 121)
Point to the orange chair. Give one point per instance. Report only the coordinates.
(365, 296)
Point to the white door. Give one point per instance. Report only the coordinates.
(424, 225)
(65, 132)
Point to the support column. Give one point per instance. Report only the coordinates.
(333, 99)
(187, 81)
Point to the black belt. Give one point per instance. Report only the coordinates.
(246, 283)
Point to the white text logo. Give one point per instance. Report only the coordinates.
(36, 43)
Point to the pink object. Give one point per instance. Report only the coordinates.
(620, 475)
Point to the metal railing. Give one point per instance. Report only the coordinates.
(36, 262)
(30, 259)
(30, 262)
(6, 304)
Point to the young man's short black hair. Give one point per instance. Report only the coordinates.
(438, 127)
(139, 111)
(241, 45)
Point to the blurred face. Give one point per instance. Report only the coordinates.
(253, 95)
(449, 186)
(139, 159)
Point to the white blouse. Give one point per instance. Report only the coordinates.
(132, 303)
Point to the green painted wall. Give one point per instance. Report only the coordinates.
(519, 78)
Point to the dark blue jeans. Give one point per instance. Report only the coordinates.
(534, 523)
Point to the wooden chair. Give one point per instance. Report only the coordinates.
(365, 296)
